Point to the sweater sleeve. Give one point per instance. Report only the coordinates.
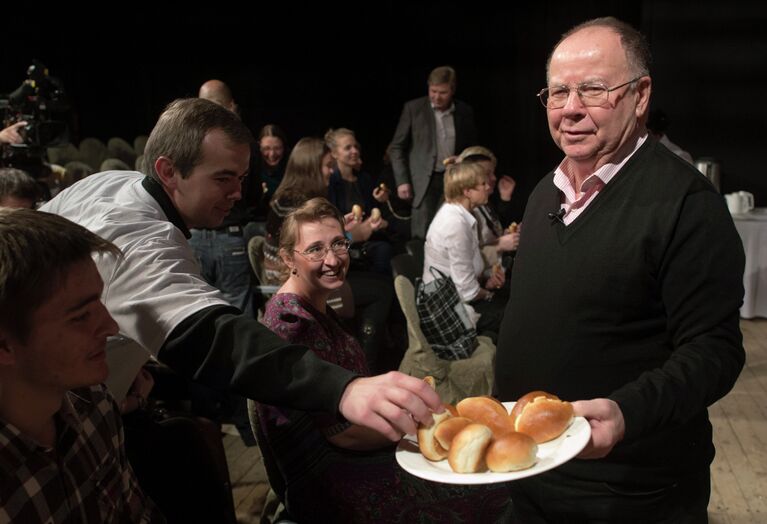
(701, 286)
(220, 347)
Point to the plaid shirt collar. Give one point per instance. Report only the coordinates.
(68, 425)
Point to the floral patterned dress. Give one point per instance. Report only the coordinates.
(320, 482)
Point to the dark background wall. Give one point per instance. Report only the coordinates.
(354, 65)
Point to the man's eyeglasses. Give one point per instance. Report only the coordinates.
(591, 94)
(317, 253)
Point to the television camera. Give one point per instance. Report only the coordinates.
(40, 101)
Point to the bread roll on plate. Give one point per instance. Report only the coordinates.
(486, 411)
(511, 452)
(467, 451)
(448, 429)
(524, 399)
(542, 416)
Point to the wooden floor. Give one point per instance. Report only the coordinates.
(739, 471)
(246, 472)
(738, 474)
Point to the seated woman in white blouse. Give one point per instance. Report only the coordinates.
(452, 246)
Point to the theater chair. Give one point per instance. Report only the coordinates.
(455, 379)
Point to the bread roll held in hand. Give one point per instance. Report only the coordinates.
(487, 411)
(427, 443)
(467, 451)
(511, 452)
(542, 416)
(357, 212)
(375, 214)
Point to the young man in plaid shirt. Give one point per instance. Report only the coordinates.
(61, 440)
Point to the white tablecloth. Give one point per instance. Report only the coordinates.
(752, 228)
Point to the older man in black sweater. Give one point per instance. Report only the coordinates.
(624, 296)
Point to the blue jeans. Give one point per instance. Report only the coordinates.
(223, 256)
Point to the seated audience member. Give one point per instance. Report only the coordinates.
(658, 124)
(335, 471)
(350, 186)
(494, 238)
(17, 189)
(307, 175)
(267, 169)
(62, 457)
(452, 247)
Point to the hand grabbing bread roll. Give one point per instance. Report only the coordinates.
(357, 212)
(451, 409)
(513, 227)
(429, 446)
(448, 429)
(375, 214)
(511, 452)
(487, 411)
(467, 451)
(544, 417)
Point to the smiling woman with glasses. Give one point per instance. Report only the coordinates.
(335, 471)
(592, 94)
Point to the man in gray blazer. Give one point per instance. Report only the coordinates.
(430, 130)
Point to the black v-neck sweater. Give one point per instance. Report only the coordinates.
(637, 301)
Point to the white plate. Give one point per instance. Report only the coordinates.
(550, 455)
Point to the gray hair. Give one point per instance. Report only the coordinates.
(638, 56)
(443, 75)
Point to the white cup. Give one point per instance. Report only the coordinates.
(746, 200)
(739, 203)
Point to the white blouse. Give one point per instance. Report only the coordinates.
(452, 246)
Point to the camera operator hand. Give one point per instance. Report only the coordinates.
(11, 135)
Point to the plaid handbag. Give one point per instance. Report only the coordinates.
(444, 320)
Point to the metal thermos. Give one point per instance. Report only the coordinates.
(711, 170)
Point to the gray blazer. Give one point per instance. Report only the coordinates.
(414, 146)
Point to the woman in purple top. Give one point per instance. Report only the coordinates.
(323, 468)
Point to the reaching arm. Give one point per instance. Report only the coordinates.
(218, 347)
